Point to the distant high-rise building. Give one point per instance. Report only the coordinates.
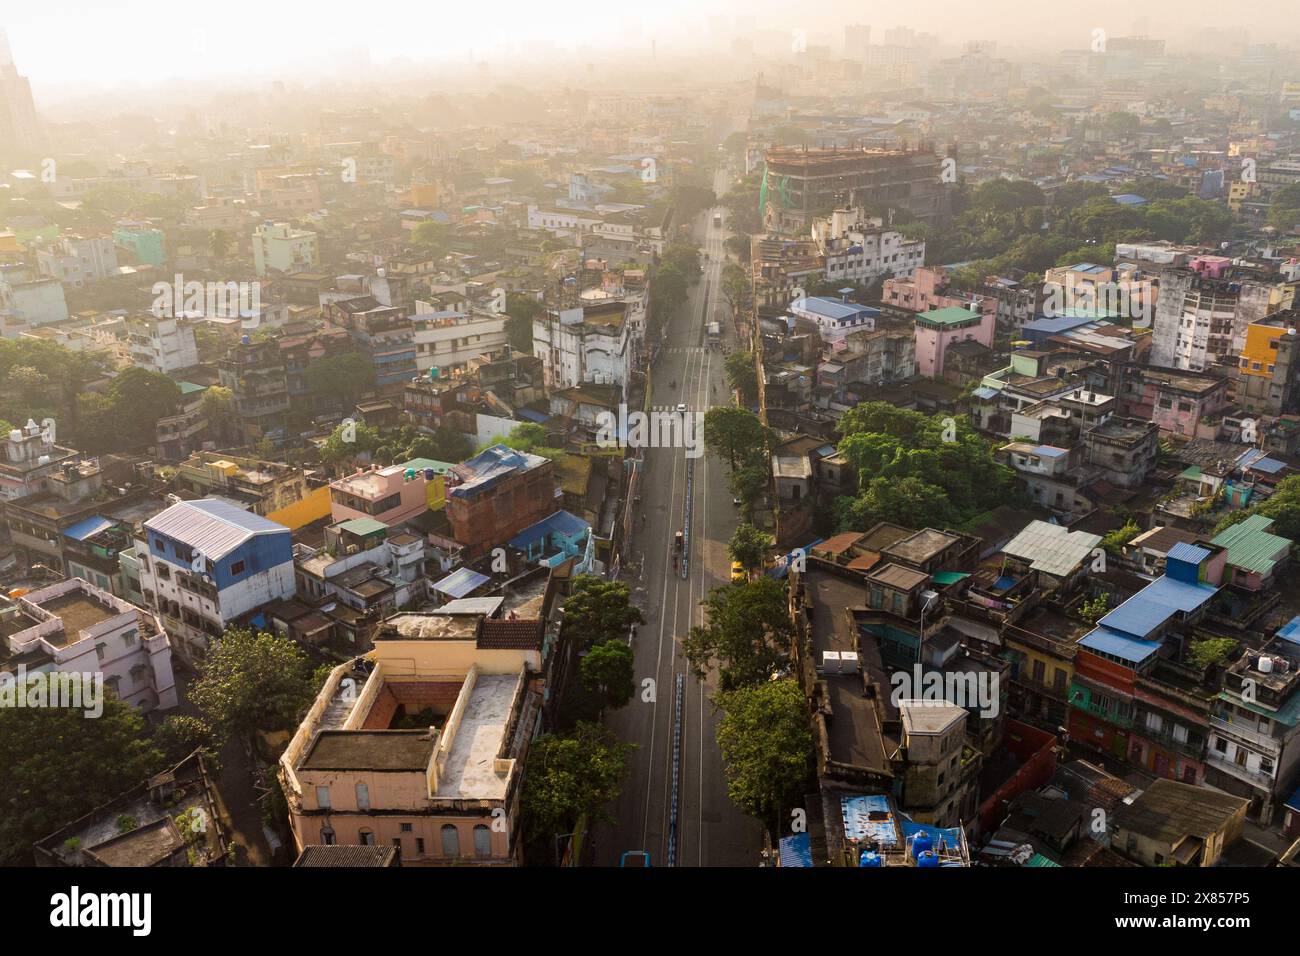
(857, 39)
(19, 132)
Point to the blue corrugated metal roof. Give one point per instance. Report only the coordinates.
(1293, 803)
(211, 526)
(87, 528)
(1119, 645)
(561, 522)
(461, 582)
(796, 850)
(1051, 326)
(1291, 630)
(1160, 600)
(1190, 553)
(532, 416)
(832, 308)
(1269, 466)
(1050, 451)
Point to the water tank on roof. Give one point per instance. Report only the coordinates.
(429, 474)
(16, 435)
(410, 474)
(927, 860)
(921, 843)
(870, 858)
(245, 340)
(433, 372)
(1265, 665)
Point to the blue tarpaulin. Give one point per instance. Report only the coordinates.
(87, 528)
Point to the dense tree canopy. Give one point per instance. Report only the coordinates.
(59, 764)
(570, 777)
(746, 633)
(767, 749)
(917, 470)
(598, 610)
(253, 681)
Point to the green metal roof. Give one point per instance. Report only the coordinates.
(419, 464)
(1250, 545)
(1192, 472)
(949, 577)
(363, 526)
(952, 315)
(188, 388)
(1039, 860)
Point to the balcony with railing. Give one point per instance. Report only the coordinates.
(1265, 781)
(1239, 731)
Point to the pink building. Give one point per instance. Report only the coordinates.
(391, 495)
(940, 328)
(928, 290)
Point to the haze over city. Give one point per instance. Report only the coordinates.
(747, 436)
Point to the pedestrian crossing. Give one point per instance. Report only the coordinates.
(684, 349)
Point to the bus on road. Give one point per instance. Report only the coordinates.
(717, 219)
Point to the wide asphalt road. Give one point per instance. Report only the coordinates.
(710, 831)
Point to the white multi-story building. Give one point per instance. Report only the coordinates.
(279, 247)
(562, 222)
(596, 342)
(161, 344)
(859, 251)
(74, 627)
(448, 340)
(1201, 315)
(204, 564)
(76, 260)
(27, 301)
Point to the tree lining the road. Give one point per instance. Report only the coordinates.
(749, 546)
(746, 636)
(767, 749)
(742, 376)
(570, 778)
(598, 610)
(736, 434)
(608, 672)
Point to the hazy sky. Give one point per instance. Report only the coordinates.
(103, 44)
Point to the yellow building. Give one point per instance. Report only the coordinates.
(423, 195)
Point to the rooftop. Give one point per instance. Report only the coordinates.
(951, 316)
(1251, 546)
(1051, 548)
(1167, 811)
(380, 750)
(921, 546)
(211, 526)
